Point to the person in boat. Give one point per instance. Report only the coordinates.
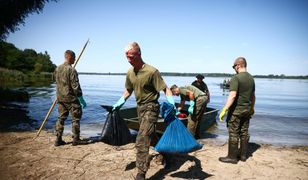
(198, 102)
(200, 84)
(240, 108)
(70, 99)
(146, 82)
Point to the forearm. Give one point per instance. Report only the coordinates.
(167, 91)
(191, 95)
(127, 94)
(253, 100)
(230, 100)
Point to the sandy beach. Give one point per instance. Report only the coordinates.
(24, 158)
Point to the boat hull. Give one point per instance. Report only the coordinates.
(131, 118)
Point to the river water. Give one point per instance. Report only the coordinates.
(281, 111)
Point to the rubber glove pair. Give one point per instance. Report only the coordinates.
(122, 101)
(82, 102)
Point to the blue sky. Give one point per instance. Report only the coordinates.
(175, 36)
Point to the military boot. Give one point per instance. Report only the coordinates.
(232, 154)
(78, 141)
(243, 149)
(59, 141)
(140, 176)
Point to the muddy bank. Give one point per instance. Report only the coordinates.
(24, 158)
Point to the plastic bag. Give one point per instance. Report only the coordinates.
(115, 130)
(176, 138)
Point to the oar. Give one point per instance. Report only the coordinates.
(55, 101)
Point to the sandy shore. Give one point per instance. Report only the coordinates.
(24, 158)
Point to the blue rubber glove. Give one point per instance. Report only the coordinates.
(191, 107)
(170, 100)
(82, 102)
(119, 104)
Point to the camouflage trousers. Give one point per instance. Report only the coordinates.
(64, 109)
(148, 115)
(194, 119)
(238, 124)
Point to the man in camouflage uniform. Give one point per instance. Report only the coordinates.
(70, 98)
(197, 100)
(240, 108)
(200, 84)
(146, 82)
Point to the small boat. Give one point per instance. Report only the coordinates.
(224, 86)
(131, 118)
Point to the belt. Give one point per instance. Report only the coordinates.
(142, 104)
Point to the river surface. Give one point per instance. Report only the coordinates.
(281, 111)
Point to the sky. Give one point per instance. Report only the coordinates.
(196, 36)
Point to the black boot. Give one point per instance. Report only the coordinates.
(59, 141)
(140, 176)
(243, 149)
(78, 141)
(232, 154)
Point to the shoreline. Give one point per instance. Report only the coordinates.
(25, 158)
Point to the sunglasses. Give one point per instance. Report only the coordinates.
(234, 66)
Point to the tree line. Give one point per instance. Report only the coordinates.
(26, 61)
(225, 75)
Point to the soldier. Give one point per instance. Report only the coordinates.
(197, 100)
(240, 108)
(146, 82)
(70, 99)
(200, 84)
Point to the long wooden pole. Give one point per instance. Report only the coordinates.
(55, 101)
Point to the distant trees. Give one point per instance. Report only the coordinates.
(14, 12)
(27, 60)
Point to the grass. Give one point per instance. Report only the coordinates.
(13, 78)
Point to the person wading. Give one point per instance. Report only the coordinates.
(70, 99)
(240, 108)
(197, 100)
(146, 82)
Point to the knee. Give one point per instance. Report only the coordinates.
(142, 143)
(60, 121)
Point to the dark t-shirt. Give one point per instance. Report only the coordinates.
(243, 83)
(146, 84)
(202, 86)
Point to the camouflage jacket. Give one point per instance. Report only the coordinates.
(68, 87)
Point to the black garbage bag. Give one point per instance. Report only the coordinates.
(115, 130)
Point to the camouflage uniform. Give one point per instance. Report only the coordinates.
(68, 89)
(146, 84)
(148, 115)
(239, 113)
(194, 119)
(200, 106)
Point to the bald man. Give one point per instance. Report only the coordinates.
(70, 99)
(240, 108)
(146, 83)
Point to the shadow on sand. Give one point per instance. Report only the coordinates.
(175, 161)
(252, 147)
